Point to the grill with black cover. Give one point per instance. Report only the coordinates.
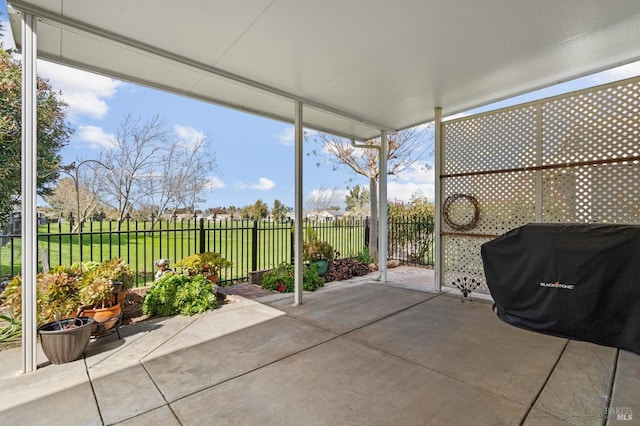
(578, 281)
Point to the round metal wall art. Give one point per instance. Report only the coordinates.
(451, 199)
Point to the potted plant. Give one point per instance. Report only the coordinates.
(64, 340)
(57, 292)
(208, 264)
(102, 290)
(317, 251)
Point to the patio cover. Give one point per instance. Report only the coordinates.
(358, 66)
(357, 69)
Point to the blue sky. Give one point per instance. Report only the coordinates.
(255, 155)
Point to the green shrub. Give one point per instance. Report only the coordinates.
(365, 257)
(281, 278)
(310, 278)
(179, 294)
(12, 330)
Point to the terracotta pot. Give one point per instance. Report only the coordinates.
(213, 278)
(65, 345)
(105, 318)
(121, 297)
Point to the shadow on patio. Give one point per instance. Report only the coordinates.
(354, 353)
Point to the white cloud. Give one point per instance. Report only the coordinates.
(189, 137)
(263, 184)
(84, 92)
(403, 191)
(287, 136)
(215, 183)
(415, 180)
(96, 137)
(321, 198)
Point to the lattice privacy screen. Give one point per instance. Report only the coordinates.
(568, 159)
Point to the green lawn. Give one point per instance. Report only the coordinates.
(247, 245)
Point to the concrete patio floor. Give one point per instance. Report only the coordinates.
(357, 352)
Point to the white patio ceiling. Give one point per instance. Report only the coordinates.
(359, 66)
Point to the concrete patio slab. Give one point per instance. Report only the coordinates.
(215, 360)
(540, 418)
(136, 342)
(29, 399)
(124, 391)
(160, 416)
(578, 389)
(207, 327)
(625, 397)
(344, 310)
(344, 382)
(468, 342)
(358, 352)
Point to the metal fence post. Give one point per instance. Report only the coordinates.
(254, 246)
(203, 241)
(366, 232)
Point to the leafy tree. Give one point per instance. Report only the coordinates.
(404, 149)
(53, 134)
(357, 201)
(413, 227)
(279, 211)
(418, 206)
(259, 210)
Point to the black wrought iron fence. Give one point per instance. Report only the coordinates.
(249, 245)
(411, 240)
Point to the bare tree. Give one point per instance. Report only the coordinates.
(404, 149)
(185, 171)
(134, 157)
(65, 200)
(322, 200)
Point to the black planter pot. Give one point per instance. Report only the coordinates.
(66, 344)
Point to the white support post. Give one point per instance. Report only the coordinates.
(438, 264)
(382, 207)
(298, 206)
(29, 202)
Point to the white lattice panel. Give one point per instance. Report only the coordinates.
(503, 140)
(505, 201)
(600, 127)
(462, 259)
(603, 193)
(590, 126)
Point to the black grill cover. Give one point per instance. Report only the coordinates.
(575, 281)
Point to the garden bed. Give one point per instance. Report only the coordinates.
(339, 270)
